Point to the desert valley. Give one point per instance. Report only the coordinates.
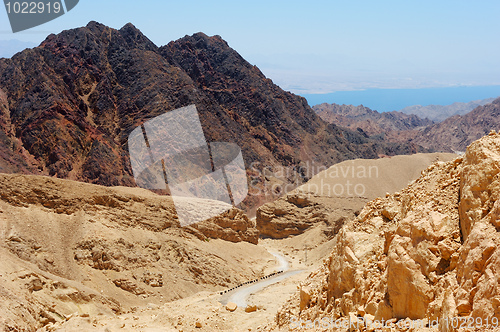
(351, 215)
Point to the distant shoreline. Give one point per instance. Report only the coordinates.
(386, 100)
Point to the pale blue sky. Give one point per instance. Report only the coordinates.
(321, 46)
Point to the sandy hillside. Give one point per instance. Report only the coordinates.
(80, 257)
(371, 178)
(340, 192)
(74, 248)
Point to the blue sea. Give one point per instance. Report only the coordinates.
(386, 100)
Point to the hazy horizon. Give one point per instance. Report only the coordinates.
(321, 47)
(387, 100)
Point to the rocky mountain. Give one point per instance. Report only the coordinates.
(453, 134)
(369, 121)
(68, 106)
(440, 113)
(457, 132)
(426, 255)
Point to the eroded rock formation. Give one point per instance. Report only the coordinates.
(428, 252)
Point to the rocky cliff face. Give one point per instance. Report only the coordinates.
(453, 134)
(457, 132)
(428, 252)
(67, 106)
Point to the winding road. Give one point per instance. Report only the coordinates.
(240, 295)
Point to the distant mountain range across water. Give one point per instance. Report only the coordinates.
(440, 113)
(387, 100)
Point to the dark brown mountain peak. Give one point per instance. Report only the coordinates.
(209, 59)
(205, 41)
(136, 39)
(94, 36)
(92, 31)
(96, 26)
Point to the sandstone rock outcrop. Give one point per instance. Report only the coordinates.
(434, 256)
(233, 225)
(287, 216)
(480, 184)
(231, 306)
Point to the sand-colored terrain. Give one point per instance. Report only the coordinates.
(80, 257)
(371, 178)
(425, 256)
(74, 248)
(338, 193)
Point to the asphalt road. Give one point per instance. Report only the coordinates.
(240, 295)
